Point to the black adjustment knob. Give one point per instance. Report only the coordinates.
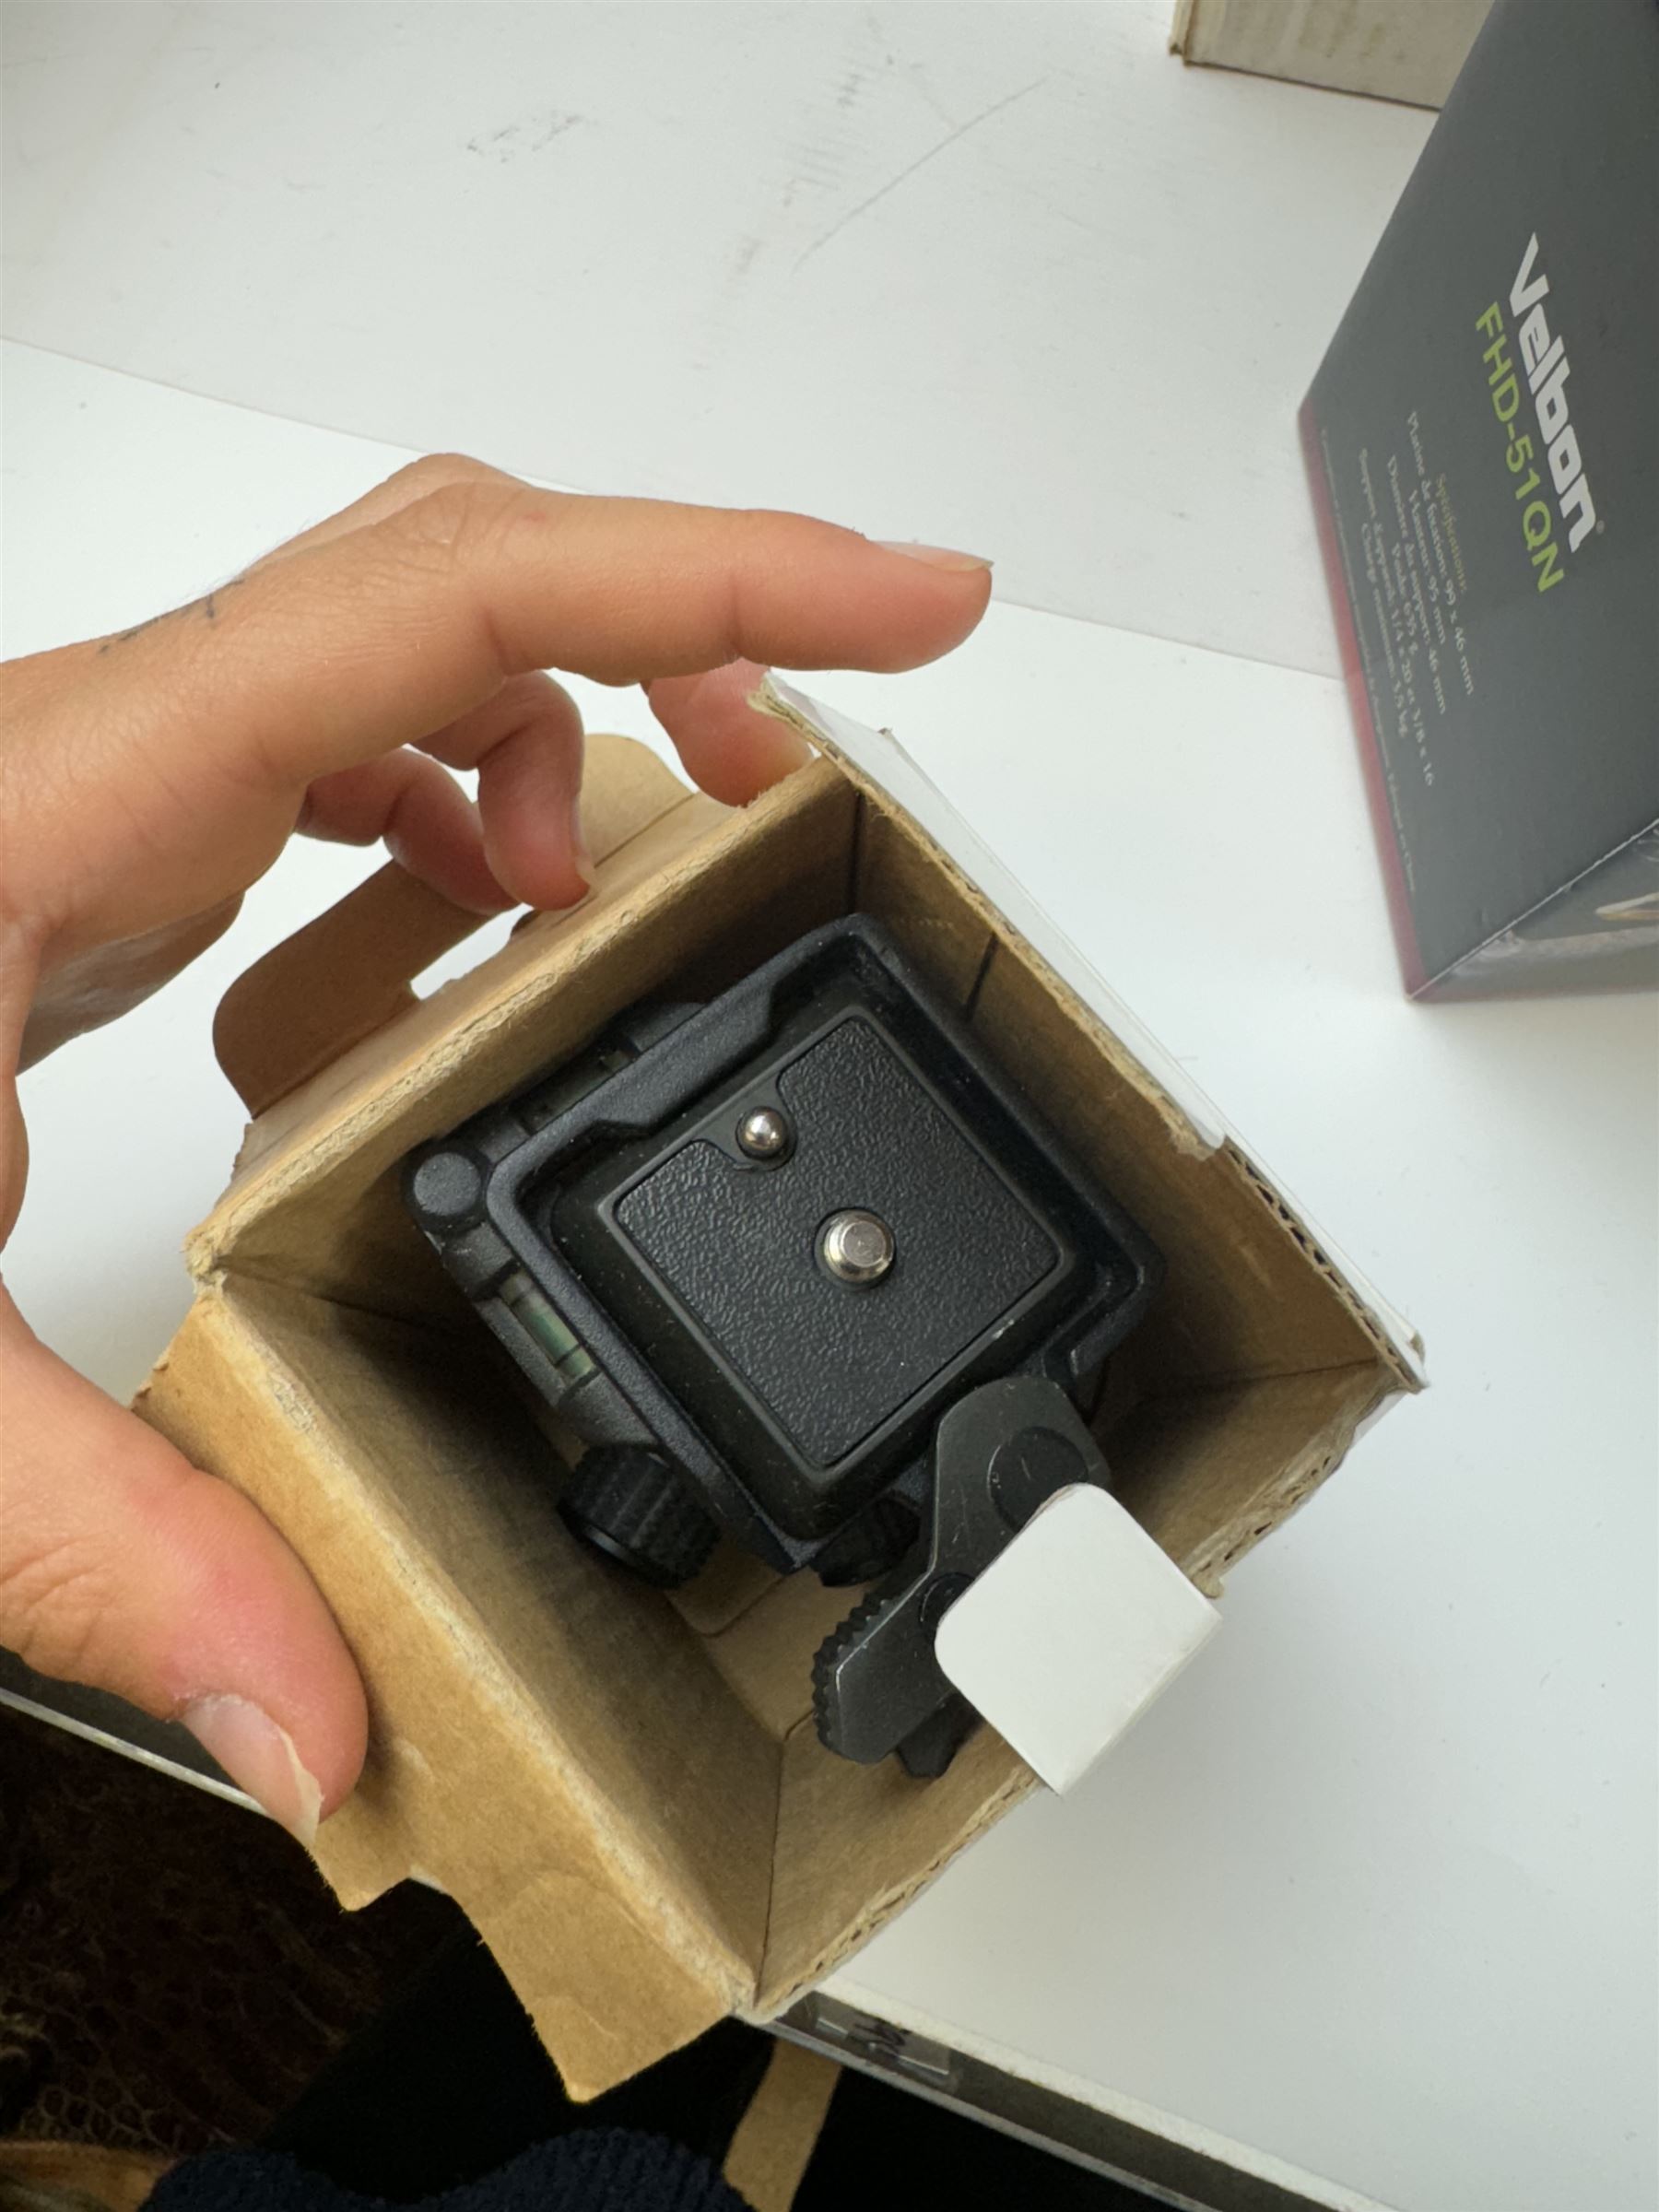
(627, 1501)
(445, 1189)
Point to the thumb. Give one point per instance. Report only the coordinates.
(124, 1568)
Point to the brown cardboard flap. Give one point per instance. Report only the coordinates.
(857, 1843)
(576, 1712)
(1208, 1473)
(898, 880)
(769, 2155)
(347, 973)
(700, 884)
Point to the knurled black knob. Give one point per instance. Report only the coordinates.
(627, 1503)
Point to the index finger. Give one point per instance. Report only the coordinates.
(375, 638)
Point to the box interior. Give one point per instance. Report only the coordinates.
(359, 1388)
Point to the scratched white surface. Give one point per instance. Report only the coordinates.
(1369, 1891)
(1005, 276)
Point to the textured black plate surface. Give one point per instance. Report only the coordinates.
(735, 1242)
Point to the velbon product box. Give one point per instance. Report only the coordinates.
(1483, 443)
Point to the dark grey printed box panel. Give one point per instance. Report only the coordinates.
(1484, 433)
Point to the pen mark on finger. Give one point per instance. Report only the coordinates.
(207, 606)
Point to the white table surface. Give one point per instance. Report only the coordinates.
(872, 262)
(1370, 1892)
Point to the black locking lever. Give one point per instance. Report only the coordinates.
(998, 1455)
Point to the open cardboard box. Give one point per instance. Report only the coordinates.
(625, 1790)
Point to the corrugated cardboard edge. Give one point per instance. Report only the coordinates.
(1208, 1565)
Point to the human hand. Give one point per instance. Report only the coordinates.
(146, 779)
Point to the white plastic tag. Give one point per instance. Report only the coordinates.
(1066, 1638)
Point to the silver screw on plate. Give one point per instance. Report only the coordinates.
(763, 1134)
(856, 1247)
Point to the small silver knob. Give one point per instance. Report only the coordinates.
(856, 1247)
(763, 1134)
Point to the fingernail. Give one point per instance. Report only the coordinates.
(260, 1758)
(503, 902)
(935, 557)
(580, 857)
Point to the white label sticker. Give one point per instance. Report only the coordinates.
(1068, 1635)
